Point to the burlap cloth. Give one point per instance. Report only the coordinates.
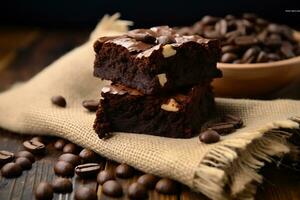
(224, 170)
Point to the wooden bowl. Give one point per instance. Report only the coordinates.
(251, 80)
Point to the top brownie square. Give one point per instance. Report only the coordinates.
(156, 59)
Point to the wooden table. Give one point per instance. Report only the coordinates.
(24, 52)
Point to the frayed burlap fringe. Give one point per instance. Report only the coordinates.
(230, 171)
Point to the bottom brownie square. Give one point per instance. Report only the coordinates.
(181, 115)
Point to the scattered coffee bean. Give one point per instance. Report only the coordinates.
(37, 138)
(44, 191)
(148, 180)
(87, 170)
(124, 171)
(236, 121)
(34, 147)
(112, 188)
(62, 185)
(26, 154)
(11, 170)
(104, 176)
(64, 169)
(137, 191)
(70, 158)
(85, 193)
(6, 157)
(222, 128)
(59, 101)
(71, 148)
(209, 136)
(89, 156)
(167, 186)
(24, 162)
(59, 144)
(90, 105)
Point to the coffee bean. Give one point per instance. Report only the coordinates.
(34, 147)
(274, 28)
(229, 49)
(229, 17)
(44, 191)
(62, 185)
(124, 171)
(59, 144)
(273, 42)
(70, 158)
(104, 176)
(11, 170)
(64, 169)
(262, 36)
(221, 27)
(251, 52)
(249, 16)
(70, 148)
(59, 101)
(262, 57)
(167, 186)
(24, 162)
(209, 136)
(87, 170)
(26, 154)
(246, 40)
(273, 57)
(90, 105)
(209, 19)
(238, 61)
(89, 156)
(222, 128)
(261, 22)
(236, 121)
(137, 191)
(287, 50)
(85, 193)
(6, 157)
(212, 34)
(228, 57)
(37, 138)
(148, 180)
(112, 188)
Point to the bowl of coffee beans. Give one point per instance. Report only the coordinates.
(257, 56)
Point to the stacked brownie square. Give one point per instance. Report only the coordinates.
(161, 82)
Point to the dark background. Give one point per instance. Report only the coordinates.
(63, 13)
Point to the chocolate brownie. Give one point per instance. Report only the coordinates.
(181, 115)
(156, 59)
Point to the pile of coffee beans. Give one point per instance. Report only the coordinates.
(211, 133)
(85, 164)
(247, 39)
(12, 165)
